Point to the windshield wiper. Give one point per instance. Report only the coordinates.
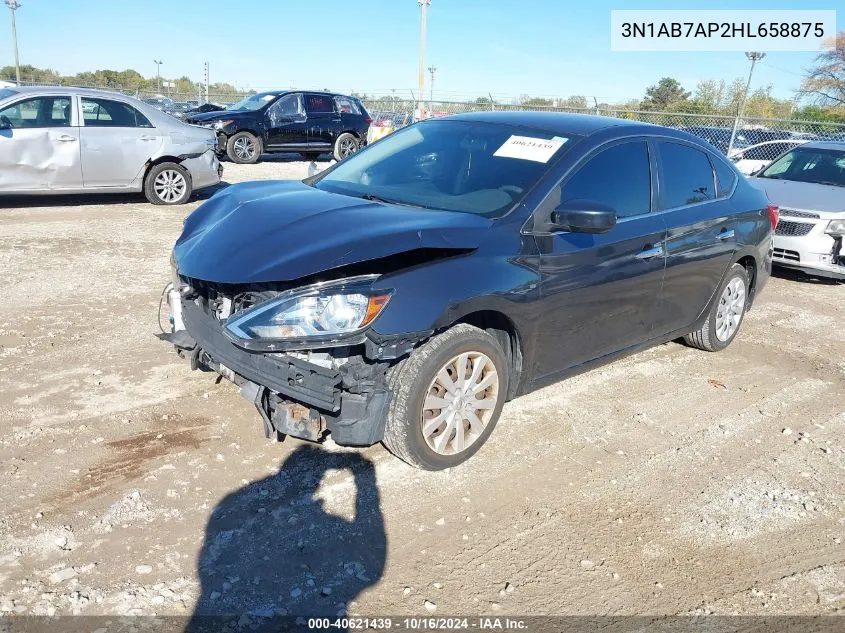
(375, 198)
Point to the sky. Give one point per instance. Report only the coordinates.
(502, 47)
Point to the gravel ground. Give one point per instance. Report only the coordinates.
(674, 481)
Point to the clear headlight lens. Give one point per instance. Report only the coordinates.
(315, 312)
(836, 227)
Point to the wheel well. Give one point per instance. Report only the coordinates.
(750, 265)
(504, 330)
(159, 161)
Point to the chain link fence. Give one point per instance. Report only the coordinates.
(755, 143)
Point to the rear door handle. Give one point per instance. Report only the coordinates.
(726, 234)
(648, 253)
(66, 138)
(146, 138)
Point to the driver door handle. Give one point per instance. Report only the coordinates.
(649, 253)
(66, 138)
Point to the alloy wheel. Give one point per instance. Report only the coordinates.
(459, 403)
(347, 147)
(244, 148)
(731, 308)
(169, 185)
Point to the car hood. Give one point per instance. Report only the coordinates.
(802, 195)
(282, 230)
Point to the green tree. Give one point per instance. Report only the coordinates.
(664, 94)
(574, 101)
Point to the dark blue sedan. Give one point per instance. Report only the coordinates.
(405, 294)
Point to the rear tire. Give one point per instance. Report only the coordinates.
(168, 184)
(726, 313)
(244, 148)
(421, 395)
(345, 145)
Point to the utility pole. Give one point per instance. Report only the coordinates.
(205, 80)
(14, 5)
(753, 57)
(158, 74)
(423, 13)
(431, 70)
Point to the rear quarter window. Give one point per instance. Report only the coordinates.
(345, 105)
(725, 177)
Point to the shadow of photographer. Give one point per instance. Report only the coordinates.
(272, 551)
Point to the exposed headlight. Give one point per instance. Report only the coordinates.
(835, 227)
(313, 315)
(219, 125)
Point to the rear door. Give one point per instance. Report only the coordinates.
(324, 122)
(700, 224)
(599, 292)
(39, 145)
(286, 124)
(117, 142)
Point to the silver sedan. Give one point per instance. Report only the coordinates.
(74, 140)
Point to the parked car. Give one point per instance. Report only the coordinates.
(808, 183)
(206, 107)
(753, 158)
(718, 137)
(179, 109)
(73, 140)
(159, 102)
(407, 292)
(386, 123)
(309, 123)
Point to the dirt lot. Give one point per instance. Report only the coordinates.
(674, 481)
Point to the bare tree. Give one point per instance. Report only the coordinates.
(825, 81)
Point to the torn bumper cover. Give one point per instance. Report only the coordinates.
(293, 396)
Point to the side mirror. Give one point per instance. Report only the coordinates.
(583, 216)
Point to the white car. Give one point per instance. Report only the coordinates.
(75, 140)
(751, 159)
(808, 184)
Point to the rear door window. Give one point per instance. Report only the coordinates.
(319, 104)
(108, 113)
(687, 175)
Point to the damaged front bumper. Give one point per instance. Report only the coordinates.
(293, 396)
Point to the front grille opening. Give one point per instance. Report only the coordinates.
(786, 255)
(793, 229)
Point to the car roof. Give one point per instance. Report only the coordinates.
(566, 123)
(69, 90)
(837, 145)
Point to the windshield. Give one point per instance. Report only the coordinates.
(462, 166)
(253, 102)
(821, 166)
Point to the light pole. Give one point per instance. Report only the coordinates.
(753, 57)
(14, 5)
(423, 13)
(431, 70)
(158, 74)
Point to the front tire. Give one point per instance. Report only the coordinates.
(244, 148)
(345, 145)
(167, 183)
(726, 313)
(447, 397)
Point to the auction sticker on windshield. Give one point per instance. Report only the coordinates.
(528, 148)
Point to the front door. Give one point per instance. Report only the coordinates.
(39, 145)
(286, 124)
(599, 291)
(700, 241)
(324, 121)
(117, 142)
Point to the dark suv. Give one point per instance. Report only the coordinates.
(310, 123)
